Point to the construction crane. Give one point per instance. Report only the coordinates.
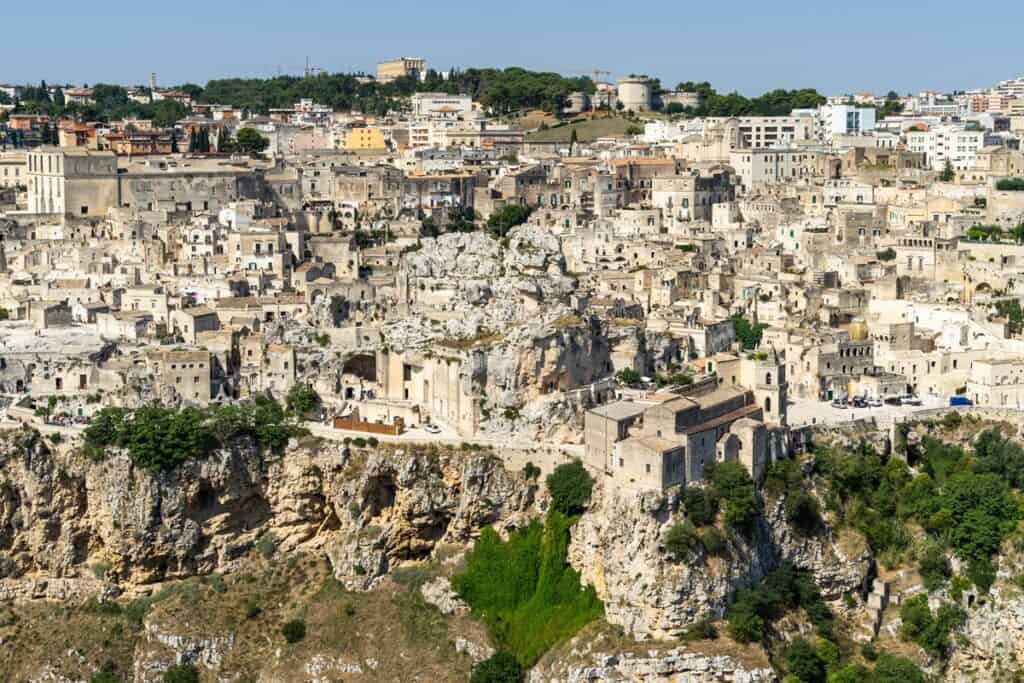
(307, 69)
(594, 73)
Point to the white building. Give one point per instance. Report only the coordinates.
(439, 106)
(774, 131)
(766, 166)
(844, 119)
(952, 143)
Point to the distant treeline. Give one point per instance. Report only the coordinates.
(502, 90)
(773, 103)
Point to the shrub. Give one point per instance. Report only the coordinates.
(372, 442)
(570, 486)
(680, 540)
(501, 667)
(702, 630)
(181, 673)
(934, 567)
(733, 487)
(266, 545)
(700, 505)
(713, 540)
(886, 254)
(252, 610)
(105, 677)
(359, 442)
(930, 631)
(803, 662)
(783, 589)
(302, 400)
(294, 630)
(893, 669)
(161, 438)
(1010, 185)
(952, 420)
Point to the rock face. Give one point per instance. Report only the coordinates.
(668, 667)
(617, 547)
(994, 640)
(64, 520)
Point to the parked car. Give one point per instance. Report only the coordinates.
(909, 400)
(960, 401)
(431, 428)
(874, 403)
(839, 403)
(859, 402)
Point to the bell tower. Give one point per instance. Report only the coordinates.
(770, 389)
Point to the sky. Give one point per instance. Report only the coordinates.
(750, 47)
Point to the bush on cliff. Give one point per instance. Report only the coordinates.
(570, 487)
(158, 437)
(524, 590)
(501, 667)
(181, 673)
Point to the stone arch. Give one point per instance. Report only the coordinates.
(729, 448)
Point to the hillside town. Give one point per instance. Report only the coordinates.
(447, 373)
(618, 273)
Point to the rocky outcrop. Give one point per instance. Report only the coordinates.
(66, 520)
(674, 665)
(618, 548)
(993, 639)
(599, 654)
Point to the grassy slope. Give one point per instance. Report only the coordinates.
(586, 131)
(392, 625)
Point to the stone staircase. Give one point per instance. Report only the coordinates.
(877, 601)
(884, 592)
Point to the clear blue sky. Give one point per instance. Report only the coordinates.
(744, 45)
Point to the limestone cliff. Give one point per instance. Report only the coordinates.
(618, 548)
(65, 517)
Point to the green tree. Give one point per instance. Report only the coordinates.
(892, 669)
(628, 377)
(302, 399)
(58, 97)
(947, 175)
(803, 662)
(746, 333)
(501, 667)
(680, 540)
(249, 141)
(506, 218)
(570, 487)
(700, 505)
(181, 673)
(734, 489)
(225, 144)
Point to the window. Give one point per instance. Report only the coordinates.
(85, 210)
(767, 404)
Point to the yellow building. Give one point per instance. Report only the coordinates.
(365, 138)
(414, 67)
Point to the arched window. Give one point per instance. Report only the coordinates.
(768, 378)
(767, 404)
